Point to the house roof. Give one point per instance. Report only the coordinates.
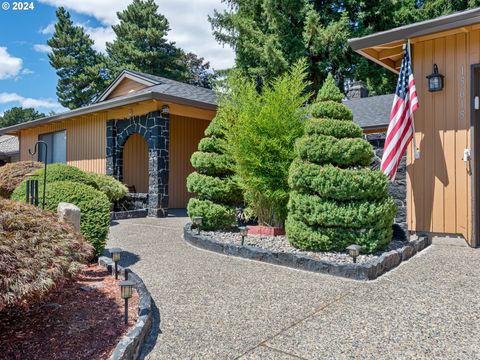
(9, 145)
(385, 48)
(164, 90)
(371, 113)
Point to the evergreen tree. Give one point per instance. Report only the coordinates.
(336, 199)
(17, 115)
(141, 42)
(197, 71)
(79, 67)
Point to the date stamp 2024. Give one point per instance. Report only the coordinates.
(18, 6)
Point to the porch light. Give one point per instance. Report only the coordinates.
(116, 253)
(354, 251)
(126, 292)
(243, 232)
(198, 221)
(435, 80)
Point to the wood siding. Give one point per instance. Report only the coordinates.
(185, 133)
(86, 141)
(126, 86)
(135, 163)
(439, 184)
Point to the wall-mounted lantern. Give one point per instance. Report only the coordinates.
(435, 80)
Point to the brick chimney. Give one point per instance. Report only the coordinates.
(357, 90)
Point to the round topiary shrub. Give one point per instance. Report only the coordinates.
(37, 253)
(11, 175)
(336, 199)
(94, 206)
(110, 186)
(216, 189)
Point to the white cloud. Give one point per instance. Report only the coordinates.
(26, 71)
(11, 65)
(47, 30)
(42, 48)
(49, 104)
(188, 21)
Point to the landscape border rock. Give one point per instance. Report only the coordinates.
(131, 344)
(367, 271)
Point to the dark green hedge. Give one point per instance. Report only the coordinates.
(94, 206)
(335, 128)
(64, 172)
(215, 216)
(212, 145)
(321, 149)
(331, 110)
(223, 190)
(315, 211)
(331, 182)
(211, 163)
(306, 237)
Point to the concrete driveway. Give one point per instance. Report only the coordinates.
(217, 307)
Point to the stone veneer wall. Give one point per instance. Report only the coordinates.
(397, 188)
(154, 127)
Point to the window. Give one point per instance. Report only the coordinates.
(57, 147)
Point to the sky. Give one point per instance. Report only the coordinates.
(28, 80)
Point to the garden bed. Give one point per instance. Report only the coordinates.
(277, 250)
(81, 320)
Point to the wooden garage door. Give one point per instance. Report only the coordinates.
(185, 133)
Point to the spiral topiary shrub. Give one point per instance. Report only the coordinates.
(37, 253)
(336, 199)
(217, 192)
(94, 206)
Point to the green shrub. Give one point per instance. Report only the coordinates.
(215, 216)
(321, 149)
(331, 182)
(331, 110)
(330, 127)
(330, 91)
(261, 138)
(219, 190)
(212, 163)
(336, 200)
(64, 172)
(212, 145)
(11, 175)
(94, 206)
(37, 253)
(110, 186)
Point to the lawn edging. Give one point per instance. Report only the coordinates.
(368, 271)
(130, 346)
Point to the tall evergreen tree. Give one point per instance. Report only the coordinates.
(17, 115)
(79, 67)
(141, 43)
(197, 71)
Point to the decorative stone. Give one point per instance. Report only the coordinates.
(70, 214)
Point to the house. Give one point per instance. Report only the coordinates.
(442, 186)
(142, 130)
(9, 149)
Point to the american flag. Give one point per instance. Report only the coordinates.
(400, 130)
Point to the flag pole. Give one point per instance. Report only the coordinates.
(415, 149)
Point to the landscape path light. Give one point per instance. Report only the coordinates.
(354, 251)
(126, 292)
(198, 221)
(243, 232)
(116, 253)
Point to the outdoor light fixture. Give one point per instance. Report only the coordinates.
(116, 252)
(126, 292)
(435, 80)
(354, 251)
(198, 221)
(243, 232)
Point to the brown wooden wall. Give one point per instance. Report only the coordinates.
(135, 163)
(185, 133)
(439, 184)
(125, 87)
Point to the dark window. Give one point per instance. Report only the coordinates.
(57, 147)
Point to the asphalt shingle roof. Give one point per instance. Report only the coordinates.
(371, 112)
(9, 145)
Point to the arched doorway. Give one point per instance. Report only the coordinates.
(135, 163)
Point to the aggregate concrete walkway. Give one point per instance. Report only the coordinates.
(217, 307)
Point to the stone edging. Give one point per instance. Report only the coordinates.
(128, 214)
(131, 344)
(368, 271)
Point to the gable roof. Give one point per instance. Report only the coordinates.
(9, 145)
(373, 112)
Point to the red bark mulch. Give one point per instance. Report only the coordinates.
(70, 323)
